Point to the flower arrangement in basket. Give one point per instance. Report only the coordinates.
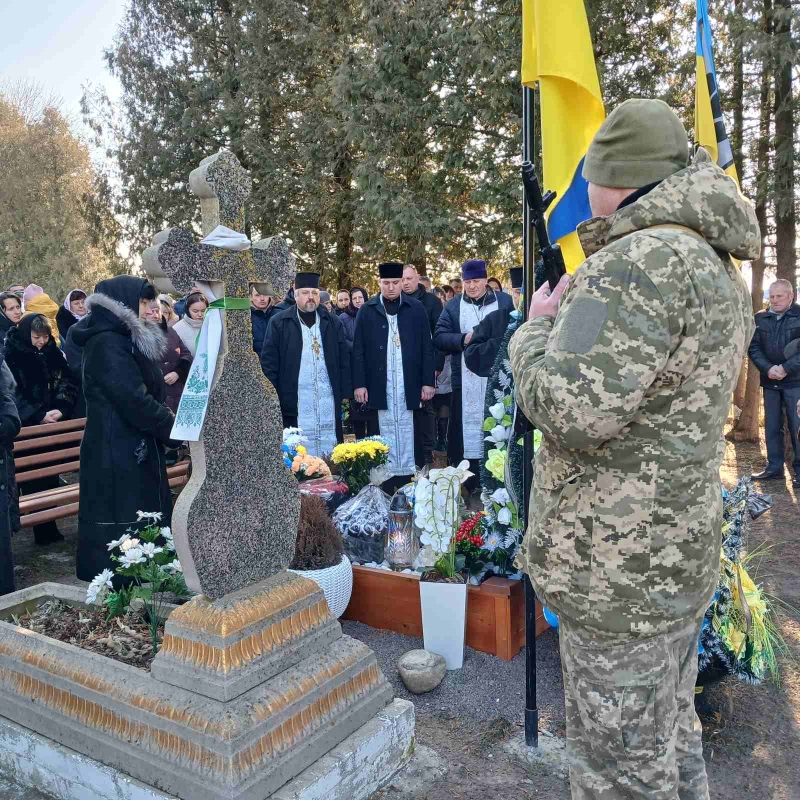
(355, 460)
(147, 559)
(304, 467)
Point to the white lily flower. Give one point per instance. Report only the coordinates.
(498, 411)
(498, 434)
(118, 542)
(504, 516)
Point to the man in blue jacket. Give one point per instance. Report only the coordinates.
(453, 334)
(776, 328)
(393, 369)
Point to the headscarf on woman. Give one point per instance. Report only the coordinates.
(40, 303)
(66, 317)
(348, 316)
(188, 328)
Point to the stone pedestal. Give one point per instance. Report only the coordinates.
(247, 692)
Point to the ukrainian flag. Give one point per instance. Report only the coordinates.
(557, 54)
(709, 126)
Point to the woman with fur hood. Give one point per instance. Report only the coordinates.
(46, 393)
(123, 469)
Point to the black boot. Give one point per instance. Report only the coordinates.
(47, 533)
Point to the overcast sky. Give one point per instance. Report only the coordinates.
(59, 43)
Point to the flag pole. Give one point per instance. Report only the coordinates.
(531, 711)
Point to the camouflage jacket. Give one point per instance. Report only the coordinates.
(631, 386)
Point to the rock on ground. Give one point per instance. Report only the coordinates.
(421, 671)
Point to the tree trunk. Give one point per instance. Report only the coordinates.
(747, 427)
(785, 222)
(344, 207)
(737, 98)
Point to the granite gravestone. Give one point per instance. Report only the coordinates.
(235, 523)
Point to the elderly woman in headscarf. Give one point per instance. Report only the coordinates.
(123, 466)
(36, 301)
(45, 393)
(73, 310)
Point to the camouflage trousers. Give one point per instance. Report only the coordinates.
(632, 731)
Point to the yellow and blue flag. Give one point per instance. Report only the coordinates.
(709, 126)
(557, 54)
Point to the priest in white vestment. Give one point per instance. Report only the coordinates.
(307, 359)
(393, 370)
(453, 333)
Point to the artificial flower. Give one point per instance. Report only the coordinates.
(496, 463)
(498, 435)
(98, 585)
(154, 516)
(504, 516)
(118, 542)
(150, 550)
(500, 496)
(492, 541)
(128, 544)
(173, 566)
(498, 411)
(133, 556)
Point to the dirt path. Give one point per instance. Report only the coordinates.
(752, 746)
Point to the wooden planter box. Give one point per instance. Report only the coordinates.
(495, 609)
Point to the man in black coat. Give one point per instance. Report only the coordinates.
(453, 333)
(780, 377)
(262, 309)
(412, 287)
(481, 351)
(307, 359)
(393, 369)
(123, 467)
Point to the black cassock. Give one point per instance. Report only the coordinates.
(480, 353)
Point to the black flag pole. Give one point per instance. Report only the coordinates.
(531, 711)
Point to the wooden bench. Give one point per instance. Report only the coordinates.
(56, 451)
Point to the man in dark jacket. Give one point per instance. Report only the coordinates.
(482, 349)
(262, 309)
(307, 359)
(123, 468)
(453, 333)
(412, 287)
(393, 368)
(780, 377)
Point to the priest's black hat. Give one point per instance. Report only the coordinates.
(516, 277)
(470, 270)
(391, 270)
(306, 280)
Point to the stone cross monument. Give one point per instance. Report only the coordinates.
(241, 506)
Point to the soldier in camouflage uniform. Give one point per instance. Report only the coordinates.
(630, 383)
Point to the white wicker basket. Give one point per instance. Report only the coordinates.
(335, 582)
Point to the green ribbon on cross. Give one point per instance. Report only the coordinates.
(231, 303)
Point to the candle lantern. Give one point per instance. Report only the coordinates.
(401, 540)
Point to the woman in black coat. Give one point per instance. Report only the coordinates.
(9, 503)
(45, 393)
(123, 468)
(358, 297)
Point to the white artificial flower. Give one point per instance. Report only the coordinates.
(150, 550)
(498, 411)
(132, 556)
(500, 496)
(504, 516)
(118, 542)
(154, 516)
(498, 435)
(166, 533)
(173, 566)
(99, 585)
(128, 544)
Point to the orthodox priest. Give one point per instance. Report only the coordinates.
(306, 358)
(481, 352)
(453, 334)
(393, 369)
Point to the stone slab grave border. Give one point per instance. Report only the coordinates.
(354, 770)
(495, 609)
(184, 742)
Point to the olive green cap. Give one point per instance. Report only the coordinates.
(641, 142)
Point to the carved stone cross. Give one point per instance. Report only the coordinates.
(235, 522)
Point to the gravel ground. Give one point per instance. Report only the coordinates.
(485, 688)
